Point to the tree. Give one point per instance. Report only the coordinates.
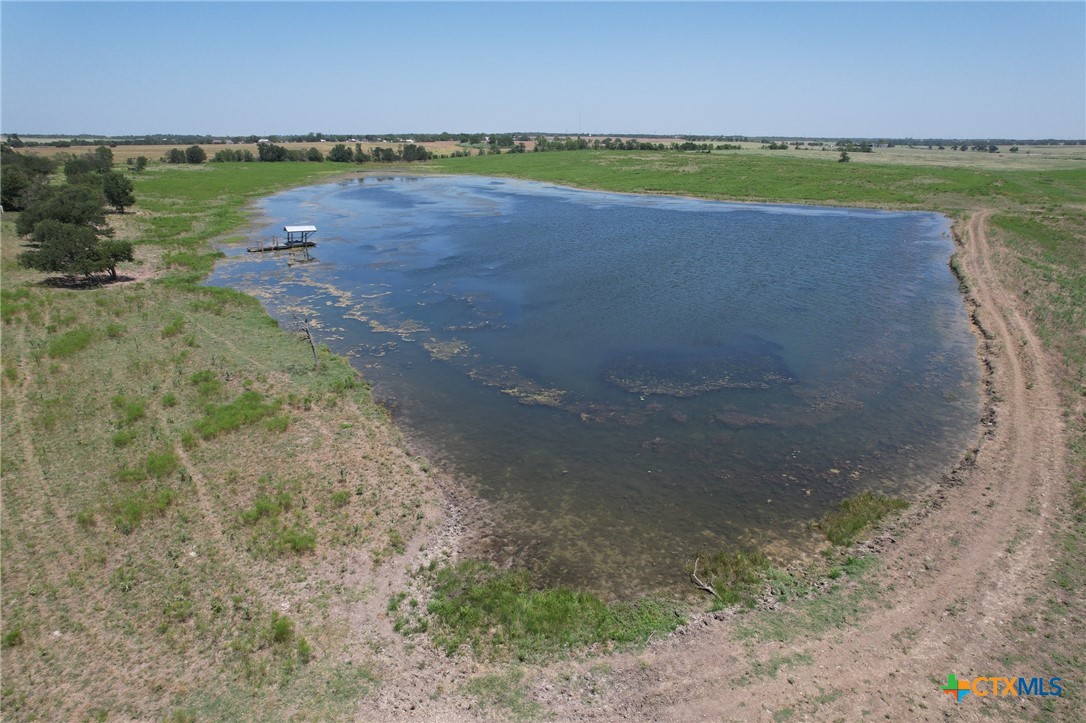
(844, 157)
(58, 247)
(195, 154)
(141, 163)
(412, 152)
(341, 153)
(14, 183)
(65, 248)
(174, 155)
(104, 158)
(314, 154)
(111, 252)
(271, 153)
(21, 176)
(77, 205)
(118, 190)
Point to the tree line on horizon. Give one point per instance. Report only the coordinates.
(473, 139)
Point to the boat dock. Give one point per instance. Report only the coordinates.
(297, 237)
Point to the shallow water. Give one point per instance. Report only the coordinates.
(632, 379)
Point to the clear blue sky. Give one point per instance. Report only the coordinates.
(926, 69)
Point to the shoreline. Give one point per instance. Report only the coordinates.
(459, 499)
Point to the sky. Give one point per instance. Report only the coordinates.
(837, 69)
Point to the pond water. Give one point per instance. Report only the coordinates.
(633, 379)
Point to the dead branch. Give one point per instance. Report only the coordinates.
(303, 325)
(699, 583)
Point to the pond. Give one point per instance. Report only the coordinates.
(632, 379)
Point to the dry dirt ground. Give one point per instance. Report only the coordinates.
(957, 575)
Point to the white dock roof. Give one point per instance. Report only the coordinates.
(299, 229)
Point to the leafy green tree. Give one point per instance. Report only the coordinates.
(314, 154)
(111, 252)
(174, 155)
(412, 152)
(341, 153)
(844, 157)
(21, 177)
(141, 163)
(78, 205)
(118, 190)
(64, 248)
(14, 184)
(271, 153)
(195, 154)
(104, 158)
(58, 247)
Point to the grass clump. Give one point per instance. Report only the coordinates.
(858, 513)
(206, 383)
(12, 638)
(272, 535)
(248, 408)
(501, 614)
(129, 410)
(735, 576)
(267, 506)
(160, 464)
(69, 343)
(123, 438)
(130, 510)
(173, 328)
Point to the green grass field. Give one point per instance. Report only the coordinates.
(174, 469)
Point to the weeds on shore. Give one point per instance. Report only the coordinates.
(500, 614)
(857, 514)
(735, 576)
